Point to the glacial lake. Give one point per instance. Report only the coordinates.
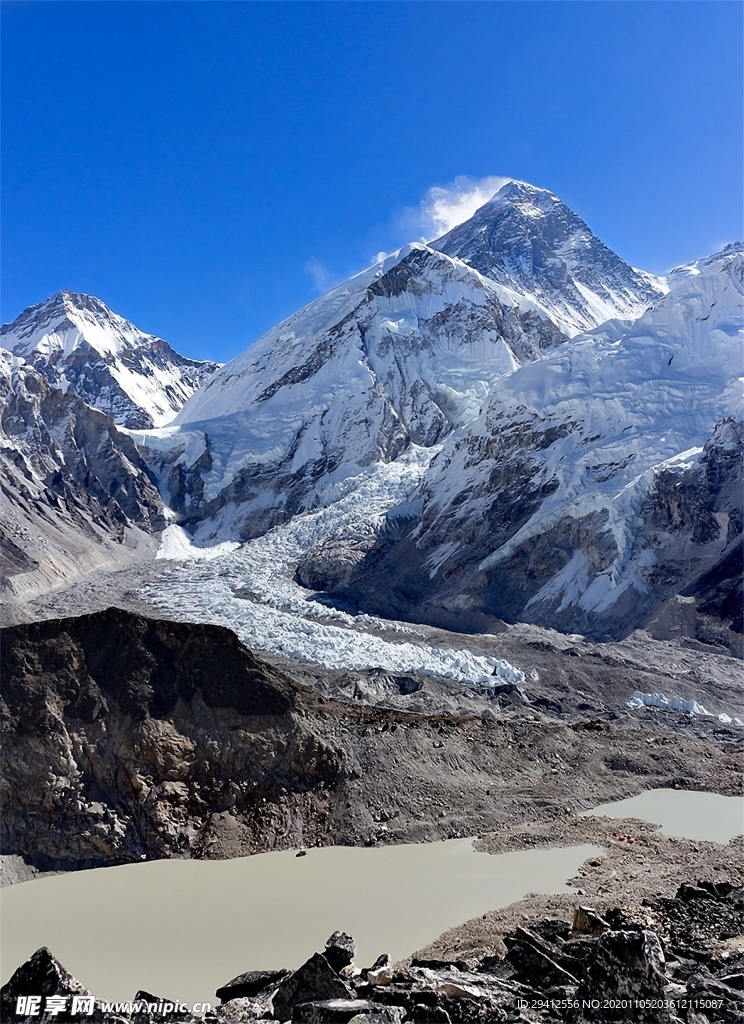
(180, 928)
(682, 812)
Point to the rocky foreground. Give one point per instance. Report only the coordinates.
(677, 960)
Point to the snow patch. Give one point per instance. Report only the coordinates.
(175, 543)
(690, 707)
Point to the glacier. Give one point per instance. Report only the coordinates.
(253, 592)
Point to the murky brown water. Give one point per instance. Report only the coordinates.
(182, 928)
(682, 812)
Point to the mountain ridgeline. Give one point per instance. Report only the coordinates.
(574, 422)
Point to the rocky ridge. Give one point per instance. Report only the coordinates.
(152, 734)
(530, 241)
(75, 492)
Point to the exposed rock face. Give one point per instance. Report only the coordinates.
(126, 737)
(81, 346)
(340, 950)
(41, 975)
(316, 980)
(75, 492)
(250, 984)
(627, 973)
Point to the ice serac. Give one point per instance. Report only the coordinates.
(81, 346)
(400, 355)
(527, 239)
(600, 483)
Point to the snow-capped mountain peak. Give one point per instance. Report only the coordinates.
(67, 320)
(530, 199)
(399, 355)
(78, 343)
(526, 238)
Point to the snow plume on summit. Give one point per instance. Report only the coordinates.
(525, 238)
(403, 353)
(445, 206)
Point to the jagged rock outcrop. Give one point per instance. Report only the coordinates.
(126, 738)
(626, 973)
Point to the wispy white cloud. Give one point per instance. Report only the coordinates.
(442, 208)
(445, 206)
(322, 277)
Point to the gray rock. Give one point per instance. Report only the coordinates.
(382, 1015)
(422, 1014)
(340, 950)
(628, 968)
(127, 687)
(41, 975)
(588, 922)
(155, 1013)
(383, 960)
(250, 984)
(315, 980)
(705, 990)
(536, 968)
(340, 1011)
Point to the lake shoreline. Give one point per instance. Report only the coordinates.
(651, 867)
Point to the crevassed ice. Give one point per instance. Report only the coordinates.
(253, 592)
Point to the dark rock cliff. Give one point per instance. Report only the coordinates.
(126, 737)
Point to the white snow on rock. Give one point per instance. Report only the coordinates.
(253, 592)
(690, 707)
(406, 350)
(599, 420)
(527, 239)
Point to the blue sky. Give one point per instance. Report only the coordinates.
(206, 167)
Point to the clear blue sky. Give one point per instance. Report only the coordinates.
(203, 167)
